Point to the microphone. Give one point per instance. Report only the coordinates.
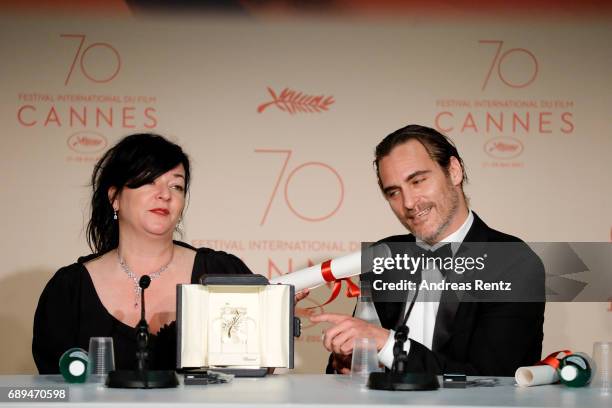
(142, 329)
(144, 282)
(142, 377)
(398, 379)
(400, 357)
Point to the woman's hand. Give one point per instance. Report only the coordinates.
(342, 363)
(301, 295)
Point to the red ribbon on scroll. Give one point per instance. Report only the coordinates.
(553, 359)
(352, 290)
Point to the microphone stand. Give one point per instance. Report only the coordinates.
(142, 377)
(398, 379)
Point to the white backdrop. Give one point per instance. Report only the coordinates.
(527, 103)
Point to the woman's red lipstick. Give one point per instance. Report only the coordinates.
(160, 211)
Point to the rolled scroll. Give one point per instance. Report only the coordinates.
(334, 269)
(536, 375)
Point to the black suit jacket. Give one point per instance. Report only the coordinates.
(480, 338)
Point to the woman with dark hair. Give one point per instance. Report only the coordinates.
(139, 191)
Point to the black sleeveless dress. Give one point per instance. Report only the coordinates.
(69, 312)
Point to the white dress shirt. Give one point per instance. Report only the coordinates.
(422, 321)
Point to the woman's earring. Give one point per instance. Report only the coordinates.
(179, 226)
(115, 215)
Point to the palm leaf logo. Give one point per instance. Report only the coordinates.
(293, 102)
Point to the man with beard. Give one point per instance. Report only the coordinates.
(421, 175)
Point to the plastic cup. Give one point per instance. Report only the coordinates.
(365, 360)
(602, 356)
(101, 358)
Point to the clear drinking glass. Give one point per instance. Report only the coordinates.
(602, 356)
(365, 360)
(101, 358)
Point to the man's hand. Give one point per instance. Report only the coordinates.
(340, 337)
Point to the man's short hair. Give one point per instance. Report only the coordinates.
(440, 147)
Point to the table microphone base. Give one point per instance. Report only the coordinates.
(137, 379)
(403, 382)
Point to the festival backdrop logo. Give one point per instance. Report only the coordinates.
(87, 142)
(86, 118)
(503, 147)
(283, 194)
(506, 120)
(293, 102)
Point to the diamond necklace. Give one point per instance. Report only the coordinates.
(132, 275)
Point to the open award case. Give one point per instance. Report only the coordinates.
(235, 323)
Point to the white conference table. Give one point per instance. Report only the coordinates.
(309, 390)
